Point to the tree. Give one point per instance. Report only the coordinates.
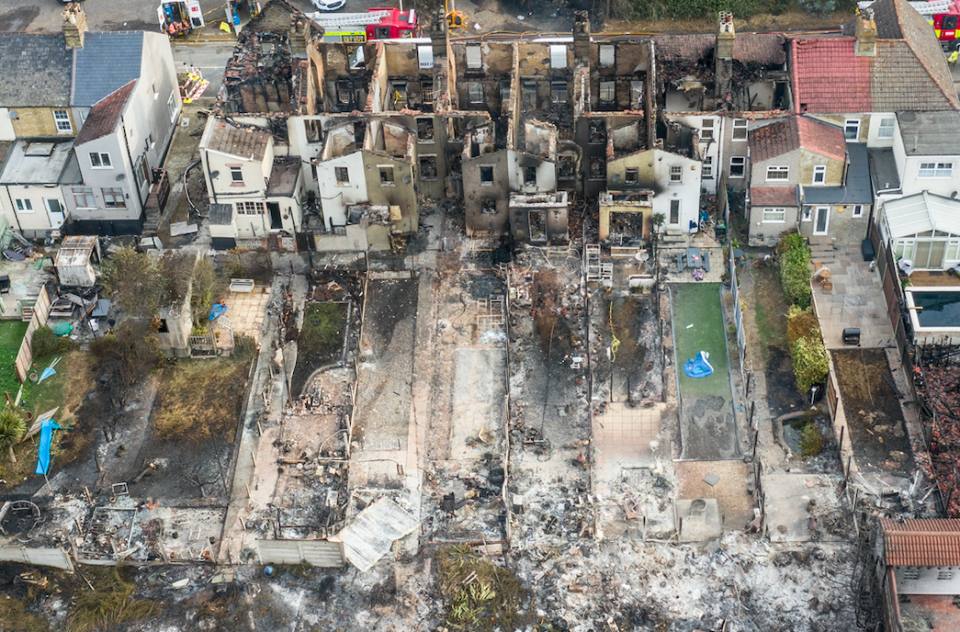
(134, 281)
(207, 286)
(12, 428)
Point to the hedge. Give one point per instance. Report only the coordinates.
(795, 270)
(811, 364)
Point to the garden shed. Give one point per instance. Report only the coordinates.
(75, 260)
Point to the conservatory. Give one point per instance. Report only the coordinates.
(923, 230)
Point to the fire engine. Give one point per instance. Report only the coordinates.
(942, 16)
(376, 24)
(179, 17)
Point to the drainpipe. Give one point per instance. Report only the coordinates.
(14, 208)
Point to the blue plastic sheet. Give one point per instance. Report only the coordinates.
(699, 366)
(218, 310)
(47, 426)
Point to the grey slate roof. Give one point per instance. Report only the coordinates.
(40, 169)
(220, 214)
(106, 63)
(857, 189)
(883, 170)
(36, 70)
(929, 133)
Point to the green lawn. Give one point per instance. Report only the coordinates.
(699, 304)
(11, 335)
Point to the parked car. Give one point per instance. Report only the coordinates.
(328, 5)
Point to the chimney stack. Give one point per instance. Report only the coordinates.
(74, 25)
(581, 36)
(724, 59)
(866, 35)
(438, 35)
(299, 35)
(725, 36)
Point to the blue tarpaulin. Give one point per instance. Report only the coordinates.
(47, 426)
(218, 310)
(699, 366)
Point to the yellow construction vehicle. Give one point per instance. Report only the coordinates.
(456, 19)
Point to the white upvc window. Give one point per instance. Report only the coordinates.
(903, 248)
(858, 210)
(62, 120)
(707, 173)
(23, 205)
(935, 170)
(778, 173)
(819, 174)
(886, 128)
(953, 250)
(83, 197)
(100, 160)
(172, 106)
(706, 129)
(807, 214)
(738, 166)
(774, 215)
(236, 175)
(676, 174)
(739, 129)
(851, 129)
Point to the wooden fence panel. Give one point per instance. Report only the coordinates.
(41, 311)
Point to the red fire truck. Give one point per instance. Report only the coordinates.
(358, 28)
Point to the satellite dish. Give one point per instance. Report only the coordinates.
(214, 175)
(406, 179)
(121, 176)
(13, 114)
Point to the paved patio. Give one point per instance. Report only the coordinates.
(625, 437)
(247, 310)
(856, 301)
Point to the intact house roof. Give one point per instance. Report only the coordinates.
(36, 70)
(773, 196)
(920, 213)
(855, 190)
(106, 63)
(105, 115)
(220, 214)
(883, 170)
(908, 73)
(921, 542)
(795, 132)
(923, 133)
(248, 143)
(37, 161)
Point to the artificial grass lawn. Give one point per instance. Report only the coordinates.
(699, 304)
(11, 336)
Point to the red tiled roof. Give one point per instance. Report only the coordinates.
(908, 74)
(774, 139)
(797, 132)
(773, 196)
(828, 77)
(244, 142)
(105, 115)
(821, 138)
(921, 542)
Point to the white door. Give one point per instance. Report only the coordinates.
(55, 213)
(821, 220)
